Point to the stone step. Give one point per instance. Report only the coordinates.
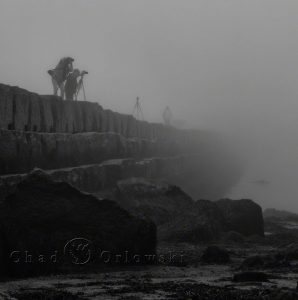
(97, 177)
(22, 151)
(195, 174)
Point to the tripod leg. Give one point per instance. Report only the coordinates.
(83, 88)
(78, 90)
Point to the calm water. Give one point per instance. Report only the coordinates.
(270, 180)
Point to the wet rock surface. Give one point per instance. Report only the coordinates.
(96, 178)
(276, 260)
(243, 216)
(250, 276)
(42, 216)
(23, 151)
(154, 200)
(45, 294)
(215, 255)
(193, 280)
(181, 219)
(181, 274)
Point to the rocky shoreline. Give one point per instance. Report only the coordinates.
(234, 263)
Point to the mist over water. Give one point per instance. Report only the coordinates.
(229, 66)
(271, 172)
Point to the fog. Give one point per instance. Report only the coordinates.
(225, 65)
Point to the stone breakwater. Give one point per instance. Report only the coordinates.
(99, 177)
(23, 151)
(26, 111)
(79, 139)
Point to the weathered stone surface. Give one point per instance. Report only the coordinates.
(152, 200)
(281, 294)
(215, 255)
(251, 276)
(271, 261)
(243, 216)
(97, 177)
(41, 216)
(255, 262)
(23, 110)
(271, 214)
(49, 134)
(178, 217)
(233, 237)
(22, 151)
(26, 111)
(201, 222)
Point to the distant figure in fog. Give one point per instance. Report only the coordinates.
(167, 116)
(71, 84)
(60, 73)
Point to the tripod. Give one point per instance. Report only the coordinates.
(137, 110)
(81, 86)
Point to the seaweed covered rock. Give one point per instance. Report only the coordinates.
(243, 216)
(152, 199)
(215, 255)
(181, 219)
(201, 222)
(41, 216)
(250, 276)
(178, 217)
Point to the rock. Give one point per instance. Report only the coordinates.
(291, 252)
(215, 255)
(22, 151)
(177, 216)
(253, 262)
(98, 177)
(187, 229)
(250, 276)
(243, 216)
(45, 294)
(265, 262)
(280, 215)
(95, 178)
(282, 226)
(202, 222)
(41, 216)
(207, 220)
(284, 295)
(233, 237)
(152, 199)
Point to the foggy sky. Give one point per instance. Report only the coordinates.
(228, 65)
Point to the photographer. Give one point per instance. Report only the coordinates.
(73, 85)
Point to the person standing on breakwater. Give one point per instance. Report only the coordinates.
(60, 73)
(167, 116)
(71, 84)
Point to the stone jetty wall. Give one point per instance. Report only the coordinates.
(26, 111)
(96, 178)
(73, 140)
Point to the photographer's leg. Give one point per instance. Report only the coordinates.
(55, 87)
(62, 90)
